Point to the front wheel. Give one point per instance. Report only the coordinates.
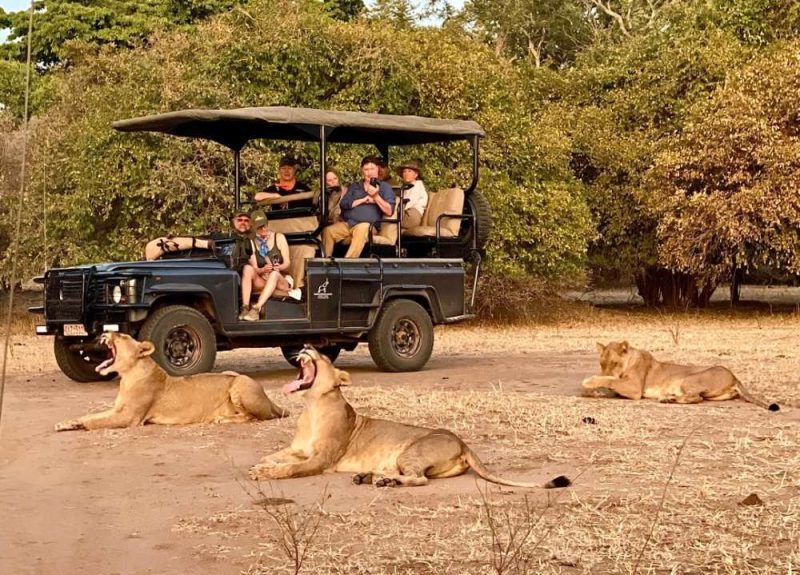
(78, 365)
(402, 338)
(183, 338)
(290, 353)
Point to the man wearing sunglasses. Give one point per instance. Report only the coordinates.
(243, 249)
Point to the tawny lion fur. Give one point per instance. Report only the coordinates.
(148, 395)
(331, 436)
(636, 374)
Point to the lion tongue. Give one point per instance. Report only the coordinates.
(293, 386)
(104, 365)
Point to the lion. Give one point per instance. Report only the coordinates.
(148, 395)
(636, 374)
(331, 436)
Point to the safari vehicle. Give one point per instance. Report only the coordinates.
(187, 303)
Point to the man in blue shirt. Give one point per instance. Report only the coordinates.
(365, 202)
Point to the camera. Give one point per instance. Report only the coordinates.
(375, 182)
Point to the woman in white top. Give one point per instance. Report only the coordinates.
(416, 195)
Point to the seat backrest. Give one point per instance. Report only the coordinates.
(297, 267)
(302, 224)
(446, 201)
(389, 231)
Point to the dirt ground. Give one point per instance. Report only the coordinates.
(176, 500)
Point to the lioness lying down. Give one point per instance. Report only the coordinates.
(331, 436)
(148, 395)
(635, 373)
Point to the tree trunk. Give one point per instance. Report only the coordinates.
(659, 286)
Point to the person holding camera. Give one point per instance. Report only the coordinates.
(365, 202)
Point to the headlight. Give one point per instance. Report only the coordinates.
(116, 294)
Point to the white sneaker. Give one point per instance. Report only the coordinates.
(296, 293)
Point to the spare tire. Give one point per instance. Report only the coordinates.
(477, 205)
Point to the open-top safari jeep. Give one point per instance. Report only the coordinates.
(187, 302)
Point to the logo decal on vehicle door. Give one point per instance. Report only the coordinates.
(322, 291)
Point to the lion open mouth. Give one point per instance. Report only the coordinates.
(112, 354)
(305, 377)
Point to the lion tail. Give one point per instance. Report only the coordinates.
(476, 464)
(745, 394)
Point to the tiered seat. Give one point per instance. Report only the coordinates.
(449, 201)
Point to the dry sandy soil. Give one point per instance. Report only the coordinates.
(176, 500)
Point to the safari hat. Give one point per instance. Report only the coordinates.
(411, 165)
(259, 219)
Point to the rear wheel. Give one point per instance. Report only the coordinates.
(79, 365)
(402, 337)
(183, 338)
(290, 353)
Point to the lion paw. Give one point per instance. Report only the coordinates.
(386, 482)
(258, 472)
(362, 478)
(69, 425)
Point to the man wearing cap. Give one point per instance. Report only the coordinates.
(243, 247)
(286, 185)
(242, 233)
(365, 202)
(415, 196)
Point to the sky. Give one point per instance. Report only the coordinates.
(12, 6)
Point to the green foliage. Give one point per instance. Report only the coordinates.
(122, 23)
(110, 192)
(540, 31)
(344, 10)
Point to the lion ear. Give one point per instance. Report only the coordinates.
(146, 348)
(342, 377)
(624, 346)
(600, 347)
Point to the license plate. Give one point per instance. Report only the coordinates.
(74, 329)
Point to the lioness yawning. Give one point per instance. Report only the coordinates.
(331, 436)
(148, 395)
(636, 374)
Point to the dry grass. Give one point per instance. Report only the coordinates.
(601, 525)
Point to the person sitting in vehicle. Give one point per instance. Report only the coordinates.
(415, 196)
(286, 185)
(243, 234)
(384, 173)
(335, 190)
(365, 202)
(263, 272)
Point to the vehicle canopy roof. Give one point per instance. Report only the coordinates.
(234, 128)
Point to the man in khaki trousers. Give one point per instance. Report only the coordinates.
(365, 202)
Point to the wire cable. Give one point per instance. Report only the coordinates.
(20, 202)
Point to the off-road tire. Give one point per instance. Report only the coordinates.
(402, 337)
(479, 206)
(290, 353)
(77, 365)
(183, 338)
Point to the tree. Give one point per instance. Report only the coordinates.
(110, 192)
(726, 192)
(344, 10)
(122, 23)
(540, 31)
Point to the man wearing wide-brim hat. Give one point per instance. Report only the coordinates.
(415, 196)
